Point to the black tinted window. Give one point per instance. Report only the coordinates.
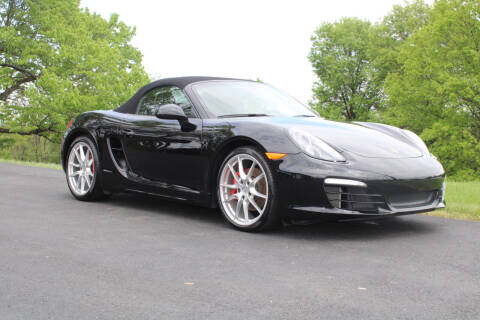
(153, 99)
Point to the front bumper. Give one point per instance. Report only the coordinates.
(313, 213)
(311, 191)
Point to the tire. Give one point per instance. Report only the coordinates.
(248, 201)
(77, 170)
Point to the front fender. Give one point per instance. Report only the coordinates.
(83, 124)
(271, 138)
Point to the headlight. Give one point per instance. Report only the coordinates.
(417, 141)
(314, 147)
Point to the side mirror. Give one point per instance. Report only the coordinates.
(171, 112)
(175, 112)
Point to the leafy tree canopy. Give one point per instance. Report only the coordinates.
(57, 60)
(388, 36)
(340, 58)
(437, 89)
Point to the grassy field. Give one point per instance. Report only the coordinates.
(463, 201)
(34, 164)
(463, 198)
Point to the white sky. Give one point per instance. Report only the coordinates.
(247, 39)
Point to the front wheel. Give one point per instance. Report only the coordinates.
(246, 191)
(83, 170)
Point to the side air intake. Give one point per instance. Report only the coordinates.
(117, 154)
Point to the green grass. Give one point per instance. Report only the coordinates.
(463, 201)
(33, 164)
(463, 198)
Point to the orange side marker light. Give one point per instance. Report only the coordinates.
(275, 156)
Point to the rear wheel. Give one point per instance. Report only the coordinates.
(83, 170)
(246, 191)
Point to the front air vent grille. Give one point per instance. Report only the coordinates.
(354, 198)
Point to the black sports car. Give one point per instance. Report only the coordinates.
(253, 151)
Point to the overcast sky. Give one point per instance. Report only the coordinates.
(248, 39)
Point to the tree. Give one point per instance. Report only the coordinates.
(436, 92)
(456, 147)
(57, 60)
(340, 58)
(388, 36)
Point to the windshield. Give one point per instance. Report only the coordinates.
(248, 98)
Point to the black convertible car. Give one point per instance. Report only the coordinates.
(253, 151)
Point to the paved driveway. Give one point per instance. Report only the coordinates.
(134, 257)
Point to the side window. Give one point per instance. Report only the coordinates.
(148, 103)
(153, 99)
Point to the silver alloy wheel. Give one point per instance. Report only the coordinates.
(243, 189)
(80, 168)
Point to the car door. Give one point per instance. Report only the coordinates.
(157, 149)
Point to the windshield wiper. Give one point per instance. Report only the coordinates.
(243, 115)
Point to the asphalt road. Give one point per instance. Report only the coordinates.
(135, 257)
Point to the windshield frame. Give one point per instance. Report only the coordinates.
(207, 114)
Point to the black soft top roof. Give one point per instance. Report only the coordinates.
(131, 105)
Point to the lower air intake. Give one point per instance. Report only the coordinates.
(412, 199)
(354, 198)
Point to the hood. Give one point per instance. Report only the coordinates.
(353, 138)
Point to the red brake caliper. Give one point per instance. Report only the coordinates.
(235, 181)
